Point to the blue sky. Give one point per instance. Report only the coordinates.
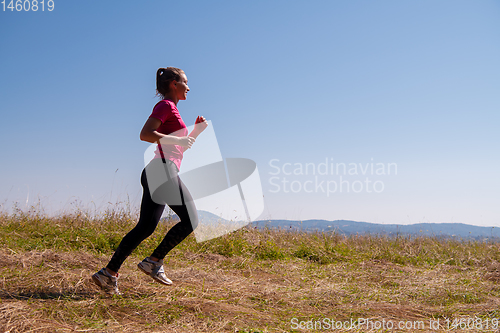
(413, 83)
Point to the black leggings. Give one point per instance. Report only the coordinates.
(150, 215)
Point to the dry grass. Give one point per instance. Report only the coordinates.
(248, 281)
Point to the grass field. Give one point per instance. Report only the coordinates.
(247, 281)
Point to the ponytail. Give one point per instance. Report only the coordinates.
(163, 78)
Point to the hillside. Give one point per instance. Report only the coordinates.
(249, 281)
(347, 227)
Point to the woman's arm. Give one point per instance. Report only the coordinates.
(199, 126)
(149, 133)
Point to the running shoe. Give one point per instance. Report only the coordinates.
(106, 282)
(155, 270)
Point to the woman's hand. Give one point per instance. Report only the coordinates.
(200, 124)
(186, 141)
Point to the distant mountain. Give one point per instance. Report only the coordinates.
(210, 218)
(346, 227)
(206, 217)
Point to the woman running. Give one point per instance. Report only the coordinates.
(164, 124)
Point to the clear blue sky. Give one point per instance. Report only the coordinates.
(413, 83)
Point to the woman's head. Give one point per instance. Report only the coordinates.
(171, 80)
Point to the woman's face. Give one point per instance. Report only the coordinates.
(181, 87)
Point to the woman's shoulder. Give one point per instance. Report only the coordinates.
(165, 104)
(165, 109)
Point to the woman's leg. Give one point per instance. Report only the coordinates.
(188, 216)
(148, 220)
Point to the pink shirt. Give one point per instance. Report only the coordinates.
(171, 123)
